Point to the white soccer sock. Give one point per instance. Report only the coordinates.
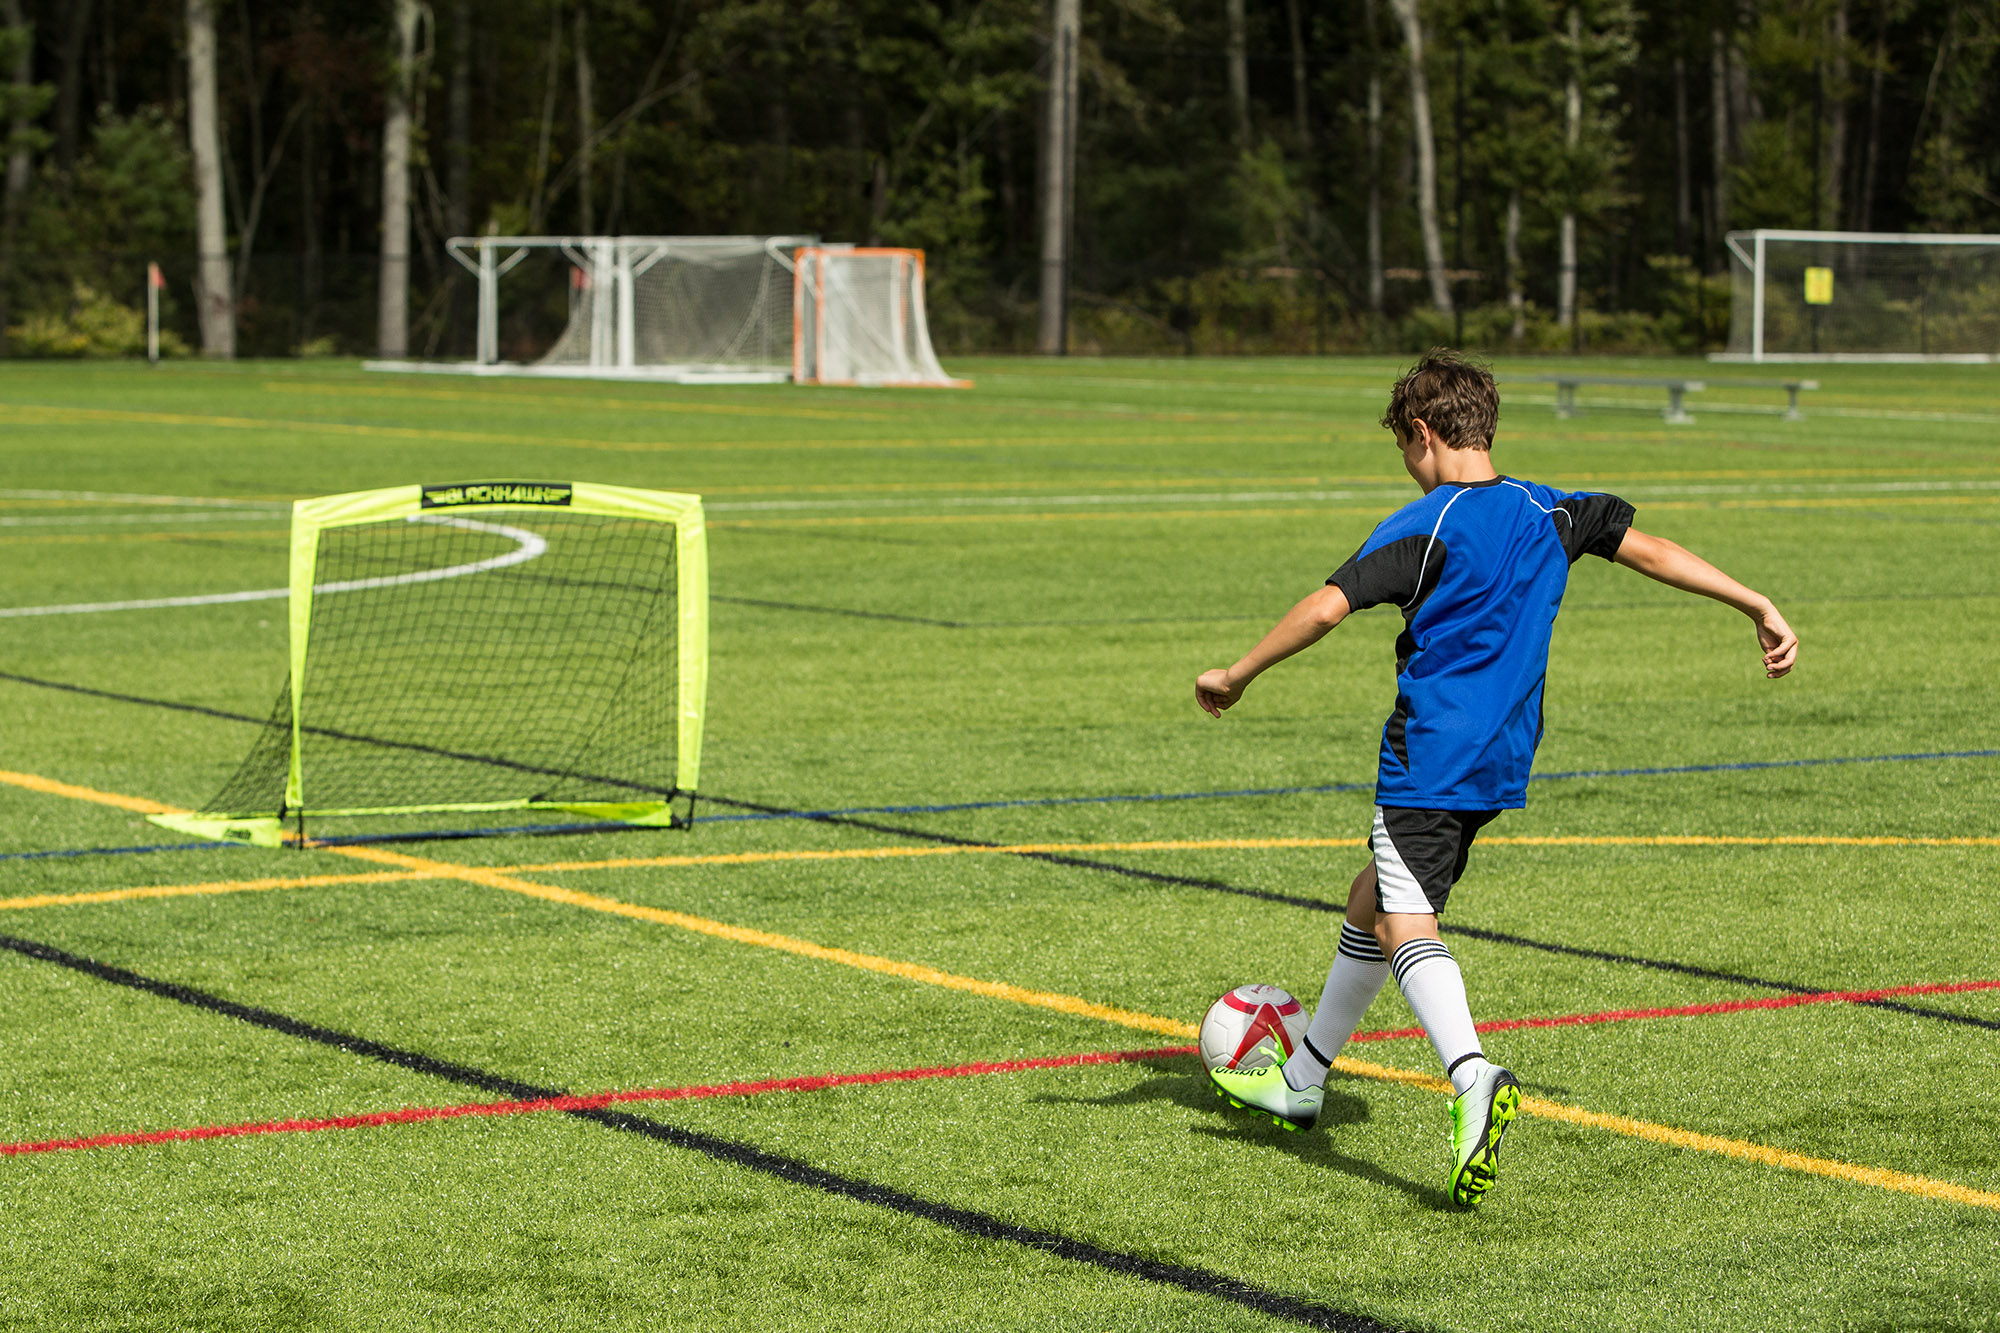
(1358, 971)
(1435, 988)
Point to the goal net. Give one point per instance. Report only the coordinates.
(858, 318)
(714, 309)
(1863, 296)
(480, 647)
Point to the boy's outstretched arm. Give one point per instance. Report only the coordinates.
(1678, 567)
(1302, 627)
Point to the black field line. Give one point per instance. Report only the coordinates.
(1326, 905)
(1105, 867)
(971, 1222)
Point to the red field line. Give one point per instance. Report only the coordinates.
(418, 1114)
(821, 1082)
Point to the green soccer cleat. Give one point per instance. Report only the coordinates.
(1265, 1089)
(1479, 1120)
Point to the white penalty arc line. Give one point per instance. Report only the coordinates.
(529, 545)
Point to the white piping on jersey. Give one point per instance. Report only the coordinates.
(1419, 590)
(1509, 481)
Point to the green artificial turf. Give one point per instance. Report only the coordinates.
(1000, 598)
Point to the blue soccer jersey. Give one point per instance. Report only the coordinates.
(1478, 571)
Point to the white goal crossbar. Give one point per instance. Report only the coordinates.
(610, 330)
(1822, 296)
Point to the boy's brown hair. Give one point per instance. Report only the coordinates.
(1453, 396)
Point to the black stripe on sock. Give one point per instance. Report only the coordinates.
(984, 1226)
(1452, 1068)
(1317, 1054)
(1414, 952)
(1359, 944)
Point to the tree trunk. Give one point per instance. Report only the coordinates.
(212, 283)
(1683, 192)
(778, 113)
(1058, 178)
(1864, 203)
(1301, 120)
(538, 183)
(1718, 87)
(458, 124)
(392, 323)
(586, 122)
(1374, 160)
(20, 152)
(312, 260)
(1517, 303)
(1426, 148)
(69, 85)
(1572, 133)
(1239, 74)
(1836, 140)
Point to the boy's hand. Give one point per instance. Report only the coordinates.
(1215, 691)
(1781, 646)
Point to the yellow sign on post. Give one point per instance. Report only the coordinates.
(1819, 286)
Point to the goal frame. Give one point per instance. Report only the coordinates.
(809, 307)
(312, 517)
(1754, 260)
(613, 264)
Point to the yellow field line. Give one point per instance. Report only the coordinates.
(50, 787)
(899, 853)
(217, 886)
(1741, 1149)
(764, 939)
(1881, 1178)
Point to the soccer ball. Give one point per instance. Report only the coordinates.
(1250, 1026)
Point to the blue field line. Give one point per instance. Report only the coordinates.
(1026, 803)
(118, 851)
(1339, 787)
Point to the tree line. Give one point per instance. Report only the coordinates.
(1120, 175)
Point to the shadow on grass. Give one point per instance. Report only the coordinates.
(1193, 1092)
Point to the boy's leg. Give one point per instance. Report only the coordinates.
(1431, 981)
(1419, 855)
(1358, 971)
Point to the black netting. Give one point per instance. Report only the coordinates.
(459, 660)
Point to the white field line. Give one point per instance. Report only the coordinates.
(529, 545)
(94, 520)
(116, 497)
(1388, 491)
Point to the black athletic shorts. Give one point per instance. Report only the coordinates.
(1419, 855)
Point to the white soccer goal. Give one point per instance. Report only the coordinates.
(1862, 296)
(858, 318)
(704, 308)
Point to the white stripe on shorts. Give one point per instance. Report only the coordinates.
(1395, 887)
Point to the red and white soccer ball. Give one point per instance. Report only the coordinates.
(1246, 1028)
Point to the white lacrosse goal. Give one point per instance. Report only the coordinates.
(694, 310)
(858, 318)
(1862, 296)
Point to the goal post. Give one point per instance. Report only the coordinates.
(483, 646)
(1807, 296)
(858, 317)
(694, 308)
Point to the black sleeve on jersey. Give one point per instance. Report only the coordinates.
(1597, 524)
(1397, 574)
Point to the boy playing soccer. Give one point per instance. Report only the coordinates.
(1478, 567)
